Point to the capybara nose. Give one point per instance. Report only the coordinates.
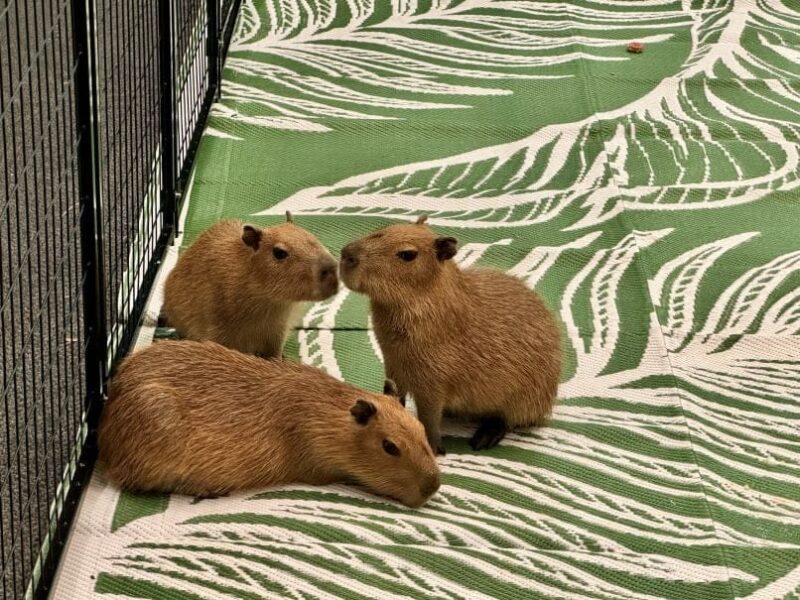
(349, 257)
(328, 278)
(328, 271)
(430, 486)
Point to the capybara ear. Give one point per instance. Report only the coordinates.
(421, 219)
(251, 236)
(446, 248)
(363, 411)
(390, 388)
(289, 217)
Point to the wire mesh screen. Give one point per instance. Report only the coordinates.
(41, 320)
(130, 137)
(102, 105)
(191, 73)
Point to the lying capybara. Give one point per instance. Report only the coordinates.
(241, 286)
(200, 419)
(475, 343)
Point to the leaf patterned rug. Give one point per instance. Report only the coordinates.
(653, 200)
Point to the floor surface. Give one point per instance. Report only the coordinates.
(653, 200)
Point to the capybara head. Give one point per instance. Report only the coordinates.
(290, 263)
(396, 260)
(390, 454)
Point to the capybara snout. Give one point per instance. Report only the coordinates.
(430, 486)
(328, 278)
(349, 256)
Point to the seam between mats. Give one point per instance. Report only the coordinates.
(642, 268)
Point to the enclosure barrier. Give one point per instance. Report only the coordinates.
(102, 106)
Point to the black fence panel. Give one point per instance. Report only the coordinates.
(130, 141)
(41, 279)
(191, 75)
(102, 105)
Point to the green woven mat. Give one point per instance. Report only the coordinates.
(652, 199)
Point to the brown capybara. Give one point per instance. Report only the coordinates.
(200, 419)
(241, 286)
(474, 343)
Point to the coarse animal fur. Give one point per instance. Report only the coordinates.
(200, 419)
(475, 343)
(241, 286)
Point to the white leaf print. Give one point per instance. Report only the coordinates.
(602, 274)
(684, 275)
(575, 167)
(416, 48)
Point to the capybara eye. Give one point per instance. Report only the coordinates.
(407, 255)
(279, 253)
(390, 448)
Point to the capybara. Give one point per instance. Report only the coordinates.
(241, 286)
(200, 419)
(475, 343)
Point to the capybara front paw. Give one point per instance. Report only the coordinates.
(209, 496)
(489, 434)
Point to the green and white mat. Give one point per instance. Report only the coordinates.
(654, 201)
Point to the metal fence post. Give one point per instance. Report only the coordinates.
(91, 226)
(169, 200)
(212, 48)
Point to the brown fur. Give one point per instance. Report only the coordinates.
(475, 343)
(241, 295)
(197, 418)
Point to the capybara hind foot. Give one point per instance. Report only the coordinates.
(209, 496)
(489, 433)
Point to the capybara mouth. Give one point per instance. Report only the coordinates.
(416, 503)
(328, 288)
(430, 488)
(349, 277)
